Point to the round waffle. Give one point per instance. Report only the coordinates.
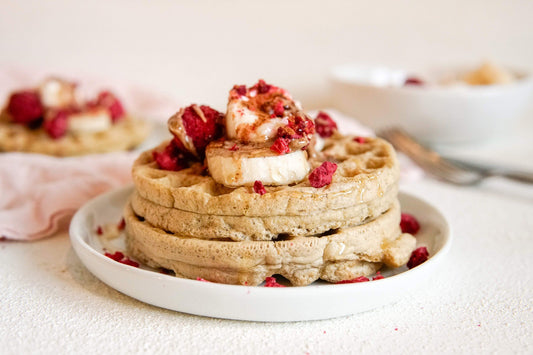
(238, 228)
(342, 254)
(365, 172)
(123, 135)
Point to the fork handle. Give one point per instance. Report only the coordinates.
(521, 176)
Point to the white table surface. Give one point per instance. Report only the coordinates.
(480, 300)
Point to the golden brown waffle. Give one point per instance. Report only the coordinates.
(238, 228)
(123, 135)
(342, 254)
(365, 172)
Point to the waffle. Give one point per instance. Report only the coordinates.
(335, 256)
(238, 228)
(123, 135)
(365, 172)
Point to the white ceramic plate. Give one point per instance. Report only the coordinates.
(256, 303)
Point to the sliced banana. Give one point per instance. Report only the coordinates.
(92, 121)
(232, 164)
(57, 93)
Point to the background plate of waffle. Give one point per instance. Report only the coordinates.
(319, 300)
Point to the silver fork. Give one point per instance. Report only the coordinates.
(436, 165)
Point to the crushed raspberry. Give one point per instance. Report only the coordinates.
(280, 146)
(25, 107)
(56, 125)
(409, 224)
(259, 187)
(262, 87)
(128, 261)
(418, 256)
(325, 126)
(234, 147)
(378, 276)
(240, 89)
(121, 225)
(109, 101)
(356, 280)
(360, 140)
(296, 128)
(413, 81)
(171, 158)
(279, 110)
(322, 175)
(201, 132)
(117, 256)
(99, 230)
(271, 282)
(200, 279)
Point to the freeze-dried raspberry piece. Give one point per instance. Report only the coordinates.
(418, 256)
(413, 81)
(240, 89)
(259, 187)
(201, 124)
(409, 224)
(378, 276)
(324, 125)
(109, 101)
(279, 110)
(171, 158)
(57, 124)
(99, 230)
(356, 280)
(322, 175)
(271, 282)
(262, 87)
(117, 256)
(25, 107)
(200, 279)
(360, 140)
(128, 261)
(234, 147)
(281, 146)
(121, 225)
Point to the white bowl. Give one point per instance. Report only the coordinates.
(435, 114)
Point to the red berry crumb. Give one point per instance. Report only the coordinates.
(56, 125)
(121, 225)
(200, 279)
(262, 87)
(356, 280)
(324, 125)
(360, 140)
(117, 256)
(281, 146)
(25, 107)
(259, 187)
(418, 256)
(234, 147)
(279, 110)
(240, 89)
(413, 81)
(378, 276)
(171, 158)
(99, 230)
(322, 175)
(128, 261)
(271, 282)
(409, 224)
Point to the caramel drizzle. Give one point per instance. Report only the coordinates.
(175, 126)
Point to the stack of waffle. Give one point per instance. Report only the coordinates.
(186, 222)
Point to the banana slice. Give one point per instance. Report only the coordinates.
(57, 93)
(96, 120)
(232, 164)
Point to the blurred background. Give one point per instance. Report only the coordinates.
(196, 50)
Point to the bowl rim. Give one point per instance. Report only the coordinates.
(336, 75)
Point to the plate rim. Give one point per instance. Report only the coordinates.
(78, 241)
